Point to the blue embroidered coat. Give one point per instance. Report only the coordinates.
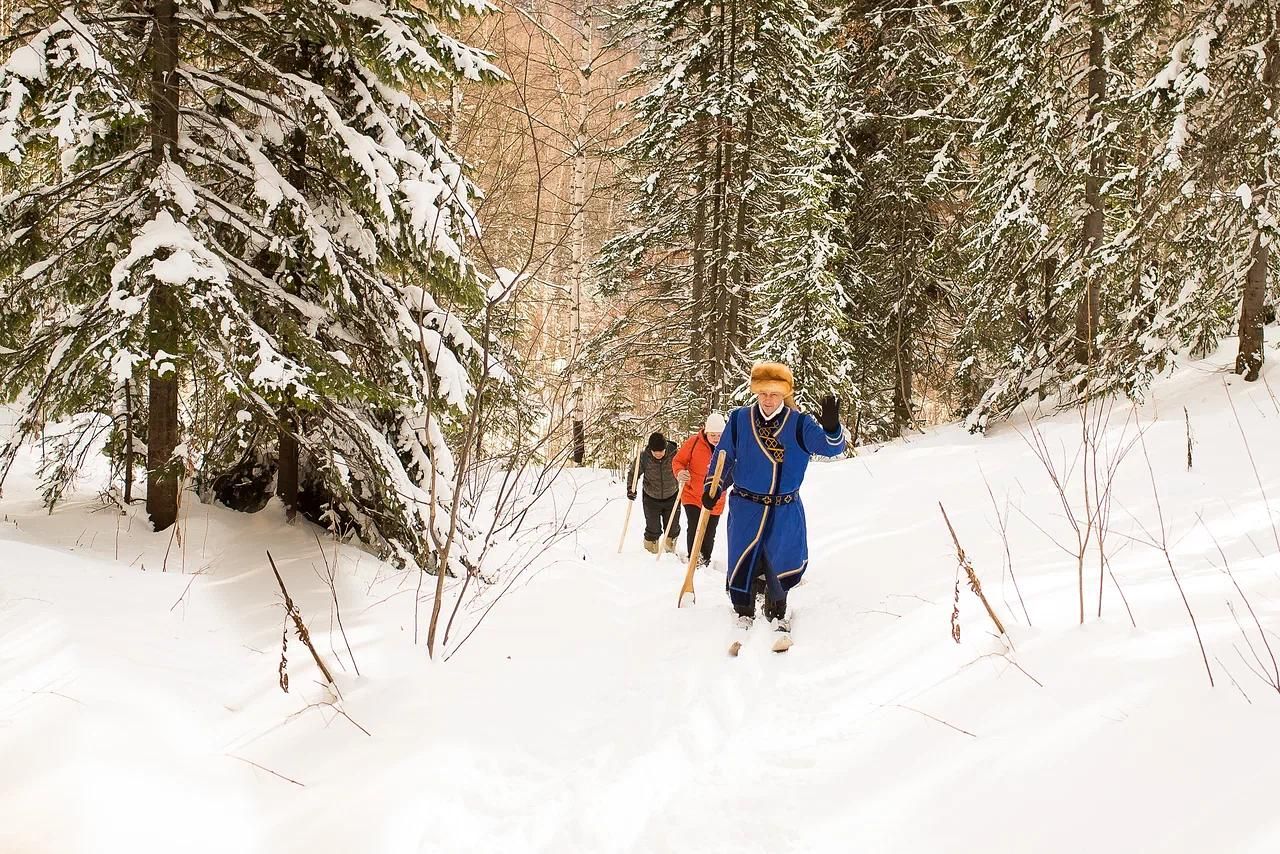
(769, 458)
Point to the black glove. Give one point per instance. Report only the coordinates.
(631, 495)
(830, 417)
(709, 498)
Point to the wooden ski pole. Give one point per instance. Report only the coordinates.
(631, 502)
(687, 590)
(666, 532)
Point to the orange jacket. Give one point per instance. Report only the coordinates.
(694, 457)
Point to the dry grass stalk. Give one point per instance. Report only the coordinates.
(283, 669)
(1254, 464)
(974, 584)
(1190, 440)
(291, 610)
(331, 580)
(1002, 520)
(1270, 675)
(1162, 545)
(1098, 464)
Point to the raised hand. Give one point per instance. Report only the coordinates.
(830, 417)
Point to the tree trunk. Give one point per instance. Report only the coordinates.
(724, 244)
(128, 442)
(902, 360)
(714, 268)
(738, 283)
(1250, 356)
(1048, 280)
(162, 426)
(1088, 312)
(697, 307)
(1022, 296)
(903, 367)
(287, 475)
(697, 311)
(578, 241)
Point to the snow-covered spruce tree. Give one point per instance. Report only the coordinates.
(1054, 225)
(722, 95)
(898, 131)
(803, 315)
(1218, 156)
(247, 201)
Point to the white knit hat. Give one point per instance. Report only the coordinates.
(715, 423)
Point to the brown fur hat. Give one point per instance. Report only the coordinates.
(772, 376)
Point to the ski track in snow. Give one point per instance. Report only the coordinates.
(588, 713)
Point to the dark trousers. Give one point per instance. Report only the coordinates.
(692, 512)
(656, 513)
(745, 603)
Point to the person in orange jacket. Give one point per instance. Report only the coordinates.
(691, 465)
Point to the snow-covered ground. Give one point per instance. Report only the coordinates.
(140, 709)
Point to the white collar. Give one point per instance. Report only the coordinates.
(776, 412)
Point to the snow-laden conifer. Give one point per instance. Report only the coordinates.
(299, 245)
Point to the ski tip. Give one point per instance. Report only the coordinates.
(734, 648)
(686, 599)
(782, 644)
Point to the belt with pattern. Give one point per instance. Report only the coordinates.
(766, 500)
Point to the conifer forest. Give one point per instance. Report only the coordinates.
(352, 248)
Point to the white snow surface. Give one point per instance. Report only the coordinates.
(588, 713)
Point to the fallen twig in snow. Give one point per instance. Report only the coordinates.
(932, 718)
(265, 768)
(333, 706)
(909, 596)
(1232, 678)
(1274, 402)
(1004, 655)
(186, 589)
(56, 694)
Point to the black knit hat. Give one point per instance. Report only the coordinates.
(657, 442)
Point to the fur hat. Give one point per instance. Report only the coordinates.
(715, 423)
(771, 376)
(657, 442)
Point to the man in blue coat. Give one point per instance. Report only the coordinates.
(767, 447)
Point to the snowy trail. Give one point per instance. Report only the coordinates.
(589, 713)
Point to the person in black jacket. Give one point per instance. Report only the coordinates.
(661, 490)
